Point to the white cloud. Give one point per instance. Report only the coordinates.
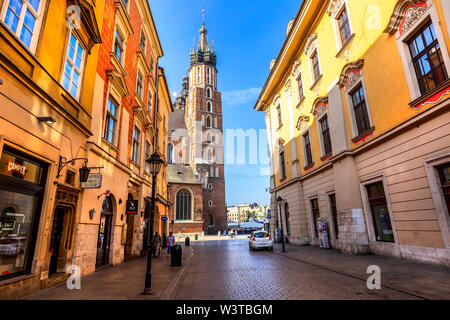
(240, 97)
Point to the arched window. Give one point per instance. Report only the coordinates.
(183, 205)
(208, 137)
(208, 93)
(208, 122)
(288, 218)
(209, 106)
(170, 153)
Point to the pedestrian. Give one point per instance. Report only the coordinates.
(170, 243)
(156, 245)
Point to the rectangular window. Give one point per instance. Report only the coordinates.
(380, 212)
(316, 214)
(73, 67)
(280, 119)
(282, 166)
(301, 94)
(326, 138)
(315, 66)
(308, 151)
(111, 121)
(147, 155)
(427, 58)
(22, 182)
(332, 198)
(22, 17)
(136, 144)
(360, 110)
(139, 85)
(444, 174)
(344, 27)
(149, 103)
(143, 42)
(118, 46)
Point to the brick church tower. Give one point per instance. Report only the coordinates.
(204, 151)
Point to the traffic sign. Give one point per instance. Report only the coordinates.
(269, 216)
(164, 219)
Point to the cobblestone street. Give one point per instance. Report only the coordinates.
(222, 270)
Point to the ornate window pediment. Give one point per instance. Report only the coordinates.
(303, 123)
(406, 14)
(296, 68)
(351, 73)
(334, 7)
(117, 79)
(320, 106)
(89, 22)
(311, 44)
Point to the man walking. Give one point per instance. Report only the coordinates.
(170, 243)
(156, 244)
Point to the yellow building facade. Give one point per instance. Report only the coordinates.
(47, 72)
(357, 110)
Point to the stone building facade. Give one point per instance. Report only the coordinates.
(359, 131)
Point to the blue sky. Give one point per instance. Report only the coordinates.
(247, 35)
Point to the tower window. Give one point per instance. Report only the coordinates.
(209, 106)
(208, 93)
(208, 122)
(208, 75)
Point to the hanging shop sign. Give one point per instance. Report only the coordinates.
(94, 181)
(132, 206)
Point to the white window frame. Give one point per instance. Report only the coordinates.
(210, 203)
(78, 43)
(438, 198)
(350, 109)
(208, 106)
(217, 172)
(208, 93)
(363, 183)
(334, 16)
(405, 54)
(39, 15)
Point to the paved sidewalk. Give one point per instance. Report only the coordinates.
(122, 282)
(426, 281)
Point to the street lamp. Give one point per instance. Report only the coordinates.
(280, 201)
(155, 163)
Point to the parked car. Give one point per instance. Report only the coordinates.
(260, 240)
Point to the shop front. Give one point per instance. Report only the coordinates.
(22, 185)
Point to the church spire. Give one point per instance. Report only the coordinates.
(203, 43)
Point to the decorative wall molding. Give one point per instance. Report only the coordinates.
(406, 14)
(296, 68)
(351, 73)
(289, 26)
(311, 44)
(320, 106)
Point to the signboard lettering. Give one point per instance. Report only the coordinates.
(94, 181)
(132, 207)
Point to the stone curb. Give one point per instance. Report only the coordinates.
(167, 293)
